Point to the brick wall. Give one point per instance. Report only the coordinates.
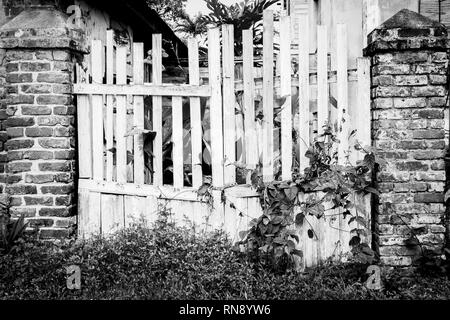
(38, 122)
(409, 76)
(3, 136)
(40, 149)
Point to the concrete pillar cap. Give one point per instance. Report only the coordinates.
(41, 27)
(407, 30)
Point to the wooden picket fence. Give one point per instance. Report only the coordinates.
(113, 189)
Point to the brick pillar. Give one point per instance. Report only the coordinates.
(38, 116)
(3, 116)
(409, 76)
(4, 199)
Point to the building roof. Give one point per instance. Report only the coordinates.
(144, 21)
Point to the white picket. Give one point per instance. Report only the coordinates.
(342, 91)
(84, 116)
(371, 18)
(360, 118)
(251, 143)
(177, 142)
(138, 110)
(229, 100)
(322, 77)
(157, 110)
(268, 95)
(121, 116)
(216, 123)
(97, 112)
(196, 116)
(286, 108)
(109, 126)
(304, 90)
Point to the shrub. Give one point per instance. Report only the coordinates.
(11, 234)
(168, 262)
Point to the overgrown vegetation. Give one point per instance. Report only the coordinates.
(10, 233)
(166, 262)
(324, 181)
(324, 186)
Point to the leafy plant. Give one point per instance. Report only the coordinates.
(14, 231)
(192, 26)
(244, 15)
(169, 10)
(144, 263)
(271, 239)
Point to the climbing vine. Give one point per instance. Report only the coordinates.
(324, 186)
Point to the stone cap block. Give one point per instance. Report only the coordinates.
(42, 27)
(407, 30)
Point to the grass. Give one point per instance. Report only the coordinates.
(170, 263)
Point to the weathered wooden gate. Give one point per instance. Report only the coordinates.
(116, 187)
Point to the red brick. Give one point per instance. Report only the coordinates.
(39, 132)
(429, 197)
(54, 233)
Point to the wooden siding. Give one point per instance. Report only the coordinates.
(436, 10)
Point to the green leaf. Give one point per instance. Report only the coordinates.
(297, 253)
(281, 100)
(279, 240)
(253, 223)
(243, 234)
(447, 195)
(291, 244)
(276, 228)
(346, 213)
(255, 177)
(355, 241)
(412, 242)
(296, 238)
(130, 157)
(364, 247)
(299, 219)
(291, 193)
(318, 210)
(277, 220)
(372, 190)
(16, 230)
(361, 221)
(279, 252)
(363, 253)
(359, 231)
(203, 189)
(262, 228)
(358, 219)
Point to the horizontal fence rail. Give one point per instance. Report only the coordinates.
(183, 90)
